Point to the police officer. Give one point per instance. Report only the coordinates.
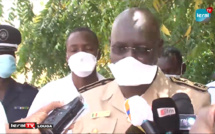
(16, 98)
(135, 48)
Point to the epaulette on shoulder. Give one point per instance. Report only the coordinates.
(95, 84)
(195, 85)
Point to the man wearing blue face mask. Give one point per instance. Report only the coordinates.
(82, 53)
(16, 98)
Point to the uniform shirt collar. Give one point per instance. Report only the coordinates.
(13, 85)
(154, 91)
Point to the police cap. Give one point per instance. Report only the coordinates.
(10, 38)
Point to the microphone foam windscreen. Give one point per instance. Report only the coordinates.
(165, 114)
(183, 103)
(138, 110)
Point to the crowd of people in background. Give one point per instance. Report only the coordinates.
(140, 64)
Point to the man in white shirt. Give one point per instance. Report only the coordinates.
(3, 118)
(82, 53)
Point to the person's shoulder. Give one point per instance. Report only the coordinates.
(55, 84)
(60, 81)
(28, 87)
(95, 85)
(28, 90)
(193, 85)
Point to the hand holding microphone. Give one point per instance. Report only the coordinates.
(205, 121)
(140, 114)
(37, 117)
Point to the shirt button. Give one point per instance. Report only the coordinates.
(95, 130)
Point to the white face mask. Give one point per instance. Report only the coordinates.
(172, 75)
(131, 72)
(82, 63)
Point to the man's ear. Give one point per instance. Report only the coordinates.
(183, 69)
(14, 54)
(160, 48)
(109, 40)
(110, 48)
(99, 54)
(67, 58)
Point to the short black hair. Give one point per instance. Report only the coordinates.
(170, 51)
(85, 29)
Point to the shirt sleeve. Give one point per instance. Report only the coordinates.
(42, 99)
(2, 128)
(3, 119)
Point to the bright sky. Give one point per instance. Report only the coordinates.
(38, 5)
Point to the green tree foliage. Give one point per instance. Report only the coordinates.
(1, 9)
(43, 48)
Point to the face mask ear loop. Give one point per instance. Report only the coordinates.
(181, 69)
(97, 54)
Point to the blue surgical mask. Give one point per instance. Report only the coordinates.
(7, 65)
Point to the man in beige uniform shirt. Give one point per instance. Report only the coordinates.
(135, 48)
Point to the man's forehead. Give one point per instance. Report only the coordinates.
(82, 36)
(166, 63)
(170, 59)
(81, 39)
(139, 20)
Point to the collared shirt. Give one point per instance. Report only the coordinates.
(211, 90)
(17, 100)
(60, 90)
(3, 119)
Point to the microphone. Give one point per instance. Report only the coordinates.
(140, 114)
(134, 130)
(183, 103)
(165, 115)
(185, 110)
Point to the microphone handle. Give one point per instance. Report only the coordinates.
(149, 127)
